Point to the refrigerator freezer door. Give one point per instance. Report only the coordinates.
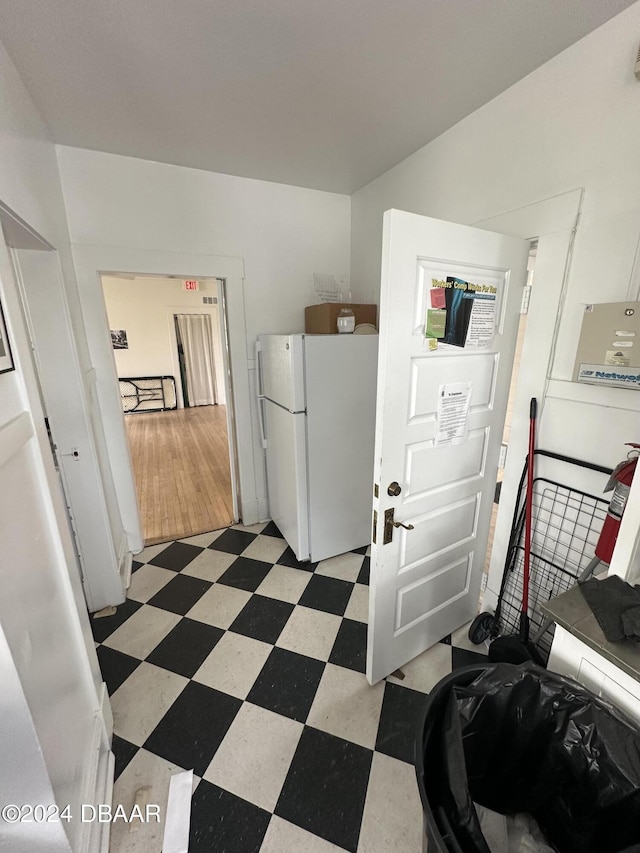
(341, 411)
(282, 364)
(287, 475)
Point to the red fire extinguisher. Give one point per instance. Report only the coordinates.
(620, 482)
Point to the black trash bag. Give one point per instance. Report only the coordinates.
(521, 739)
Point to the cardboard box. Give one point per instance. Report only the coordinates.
(323, 319)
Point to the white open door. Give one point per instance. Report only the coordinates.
(449, 305)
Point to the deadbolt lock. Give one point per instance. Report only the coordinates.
(394, 489)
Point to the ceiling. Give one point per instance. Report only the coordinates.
(326, 94)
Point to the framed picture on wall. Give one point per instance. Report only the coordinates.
(6, 358)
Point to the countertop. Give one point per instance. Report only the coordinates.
(571, 612)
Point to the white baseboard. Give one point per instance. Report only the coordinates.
(97, 784)
(255, 511)
(100, 832)
(489, 599)
(106, 713)
(263, 509)
(249, 512)
(125, 570)
(125, 558)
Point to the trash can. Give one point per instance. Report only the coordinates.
(519, 740)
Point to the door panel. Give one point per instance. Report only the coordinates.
(434, 591)
(437, 533)
(480, 371)
(429, 467)
(425, 581)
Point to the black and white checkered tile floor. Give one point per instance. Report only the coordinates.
(232, 659)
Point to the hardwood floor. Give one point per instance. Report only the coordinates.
(181, 467)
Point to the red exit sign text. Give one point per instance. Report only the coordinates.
(191, 285)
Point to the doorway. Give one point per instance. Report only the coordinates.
(178, 423)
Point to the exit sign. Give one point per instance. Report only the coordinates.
(191, 285)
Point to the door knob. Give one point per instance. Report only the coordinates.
(394, 489)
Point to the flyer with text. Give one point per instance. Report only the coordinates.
(461, 313)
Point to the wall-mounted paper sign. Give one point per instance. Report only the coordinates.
(452, 413)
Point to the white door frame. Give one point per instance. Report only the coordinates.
(44, 610)
(553, 222)
(170, 313)
(93, 261)
(65, 388)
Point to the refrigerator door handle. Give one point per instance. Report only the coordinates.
(263, 434)
(259, 370)
(260, 396)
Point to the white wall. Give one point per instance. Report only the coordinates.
(573, 123)
(284, 234)
(47, 651)
(144, 308)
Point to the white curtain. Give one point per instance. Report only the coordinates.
(196, 336)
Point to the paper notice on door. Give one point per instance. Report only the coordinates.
(436, 323)
(482, 321)
(438, 299)
(465, 312)
(452, 414)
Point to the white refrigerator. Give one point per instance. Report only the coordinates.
(317, 406)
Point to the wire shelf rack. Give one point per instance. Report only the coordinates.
(566, 525)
